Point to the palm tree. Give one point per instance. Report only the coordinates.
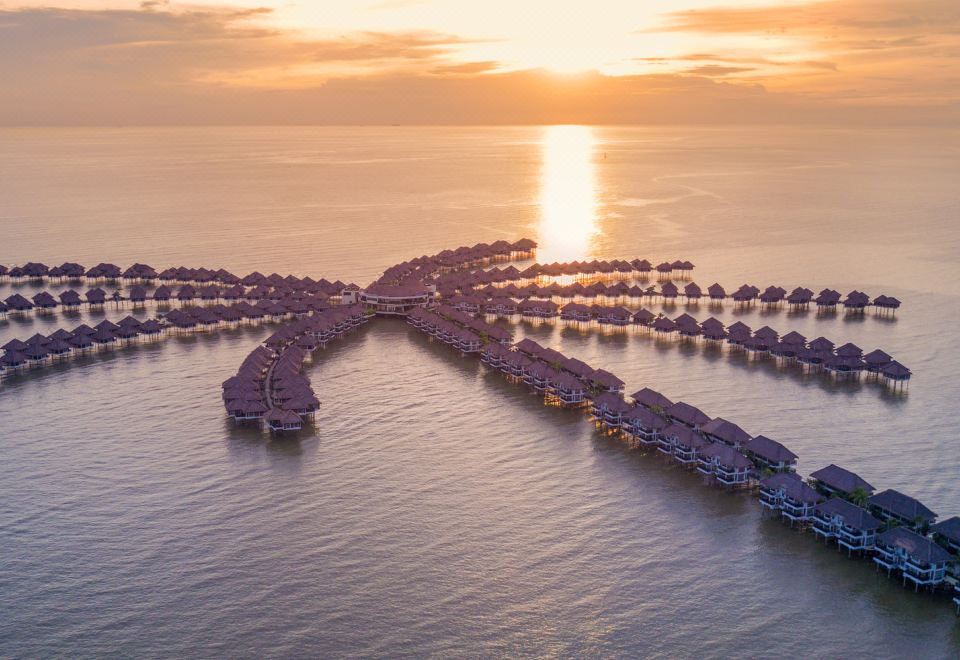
(859, 496)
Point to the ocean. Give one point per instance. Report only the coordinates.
(434, 509)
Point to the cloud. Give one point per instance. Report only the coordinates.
(827, 48)
(467, 68)
(938, 16)
(202, 65)
(887, 44)
(717, 70)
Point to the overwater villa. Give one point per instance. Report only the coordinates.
(722, 431)
(644, 317)
(687, 326)
(607, 410)
(787, 494)
(683, 443)
(684, 413)
(692, 292)
(664, 326)
(799, 298)
(876, 360)
(917, 558)
(738, 334)
(892, 505)
(745, 295)
(725, 464)
(651, 400)
(828, 299)
(642, 426)
(538, 375)
(542, 309)
(887, 305)
(44, 301)
(18, 304)
(947, 534)
(96, 298)
(568, 391)
(277, 419)
(835, 480)
(851, 526)
(769, 454)
(713, 330)
(604, 381)
(772, 296)
(896, 375)
(856, 302)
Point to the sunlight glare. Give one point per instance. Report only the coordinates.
(568, 198)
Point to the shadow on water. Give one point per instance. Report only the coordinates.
(851, 319)
(537, 328)
(146, 349)
(690, 482)
(852, 573)
(694, 486)
(764, 364)
(465, 364)
(286, 452)
(613, 339)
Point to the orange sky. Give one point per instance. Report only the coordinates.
(498, 61)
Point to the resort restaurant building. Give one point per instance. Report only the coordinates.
(395, 299)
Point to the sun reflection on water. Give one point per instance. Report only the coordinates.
(568, 197)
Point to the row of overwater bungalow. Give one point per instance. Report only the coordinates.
(897, 531)
(299, 301)
(535, 282)
(473, 286)
(241, 313)
(422, 268)
(485, 332)
(41, 350)
(720, 450)
(596, 271)
(561, 380)
(268, 387)
(61, 345)
(145, 274)
(726, 454)
(845, 361)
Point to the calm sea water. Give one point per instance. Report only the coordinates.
(435, 509)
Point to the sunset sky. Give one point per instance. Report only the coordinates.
(498, 61)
